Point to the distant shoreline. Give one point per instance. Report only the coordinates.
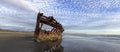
(6, 30)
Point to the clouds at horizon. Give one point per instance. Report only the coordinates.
(73, 14)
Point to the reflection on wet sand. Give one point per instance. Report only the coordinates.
(49, 46)
(23, 42)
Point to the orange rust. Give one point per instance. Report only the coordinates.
(50, 21)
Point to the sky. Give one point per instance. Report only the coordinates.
(76, 16)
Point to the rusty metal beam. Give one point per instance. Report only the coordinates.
(50, 21)
(36, 33)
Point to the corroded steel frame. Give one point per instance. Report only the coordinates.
(50, 21)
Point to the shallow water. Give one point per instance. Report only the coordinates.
(88, 43)
(70, 43)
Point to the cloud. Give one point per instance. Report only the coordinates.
(72, 14)
(18, 5)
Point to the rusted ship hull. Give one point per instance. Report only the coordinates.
(48, 36)
(45, 35)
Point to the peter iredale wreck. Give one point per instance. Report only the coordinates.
(42, 35)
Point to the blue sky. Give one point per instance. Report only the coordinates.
(77, 16)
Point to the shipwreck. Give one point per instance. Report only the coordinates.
(44, 35)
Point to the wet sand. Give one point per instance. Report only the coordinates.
(23, 42)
